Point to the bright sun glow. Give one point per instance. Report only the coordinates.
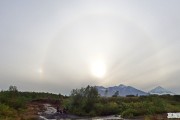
(98, 69)
(40, 71)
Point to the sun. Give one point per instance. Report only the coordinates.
(40, 70)
(98, 69)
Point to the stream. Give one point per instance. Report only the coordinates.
(51, 114)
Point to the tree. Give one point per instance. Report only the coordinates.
(13, 89)
(77, 97)
(116, 94)
(84, 99)
(91, 95)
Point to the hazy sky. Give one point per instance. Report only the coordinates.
(55, 46)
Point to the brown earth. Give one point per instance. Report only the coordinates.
(34, 107)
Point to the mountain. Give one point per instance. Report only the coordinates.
(160, 91)
(123, 91)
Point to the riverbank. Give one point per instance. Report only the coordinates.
(46, 111)
(51, 114)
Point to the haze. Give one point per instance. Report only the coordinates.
(52, 46)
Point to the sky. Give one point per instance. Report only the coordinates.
(56, 46)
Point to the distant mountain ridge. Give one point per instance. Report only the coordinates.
(123, 91)
(160, 91)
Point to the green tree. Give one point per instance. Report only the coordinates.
(116, 94)
(83, 100)
(13, 89)
(91, 95)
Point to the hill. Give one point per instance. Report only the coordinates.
(161, 91)
(123, 90)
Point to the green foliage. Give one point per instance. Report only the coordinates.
(130, 112)
(87, 102)
(13, 88)
(149, 105)
(83, 101)
(128, 107)
(130, 95)
(6, 111)
(13, 102)
(176, 97)
(106, 109)
(12, 99)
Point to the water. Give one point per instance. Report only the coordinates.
(51, 114)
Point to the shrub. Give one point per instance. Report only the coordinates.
(7, 111)
(129, 113)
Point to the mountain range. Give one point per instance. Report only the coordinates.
(123, 90)
(160, 91)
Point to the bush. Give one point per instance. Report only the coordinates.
(129, 113)
(83, 101)
(7, 111)
(16, 103)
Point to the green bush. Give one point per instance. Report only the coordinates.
(83, 101)
(16, 103)
(6, 111)
(129, 113)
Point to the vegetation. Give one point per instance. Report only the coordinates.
(87, 102)
(13, 102)
(83, 101)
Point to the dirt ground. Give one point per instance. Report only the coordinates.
(33, 108)
(31, 113)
